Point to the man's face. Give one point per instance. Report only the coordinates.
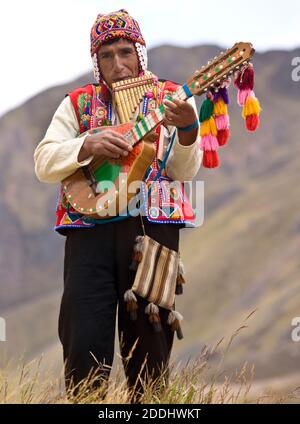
(118, 61)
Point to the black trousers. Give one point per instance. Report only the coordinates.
(96, 276)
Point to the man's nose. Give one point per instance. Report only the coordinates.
(118, 65)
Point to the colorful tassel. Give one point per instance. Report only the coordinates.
(208, 127)
(153, 311)
(208, 132)
(245, 78)
(221, 100)
(220, 107)
(206, 110)
(244, 81)
(251, 111)
(252, 122)
(131, 304)
(174, 319)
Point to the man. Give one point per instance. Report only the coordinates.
(97, 254)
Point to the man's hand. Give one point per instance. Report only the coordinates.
(179, 113)
(107, 143)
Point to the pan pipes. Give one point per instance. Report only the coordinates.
(127, 94)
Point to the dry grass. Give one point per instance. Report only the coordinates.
(188, 384)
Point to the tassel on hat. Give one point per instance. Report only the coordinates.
(131, 304)
(153, 311)
(174, 319)
(244, 81)
(208, 131)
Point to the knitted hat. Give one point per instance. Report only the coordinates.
(117, 25)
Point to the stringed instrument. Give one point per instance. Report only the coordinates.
(100, 189)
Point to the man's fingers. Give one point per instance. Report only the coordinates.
(176, 105)
(112, 147)
(170, 115)
(118, 140)
(179, 102)
(114, 137)
(169, 104)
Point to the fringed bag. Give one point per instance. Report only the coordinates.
(159, 276)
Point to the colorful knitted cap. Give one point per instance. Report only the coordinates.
(115, 25)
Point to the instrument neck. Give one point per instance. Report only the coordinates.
(154, 118)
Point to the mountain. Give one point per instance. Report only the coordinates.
(244, 257)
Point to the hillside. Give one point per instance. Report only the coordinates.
(244, 257)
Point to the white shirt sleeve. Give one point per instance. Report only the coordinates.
(56, 156)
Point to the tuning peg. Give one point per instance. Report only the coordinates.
(224, 76)
(237, 67)
(205, 89)
(209, 62)
(222, 53)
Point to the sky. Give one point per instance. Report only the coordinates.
(47, 43)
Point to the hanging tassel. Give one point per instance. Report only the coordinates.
(221, 100)
(180, 278)
(244, 81)
(252, 122)
(206, 110)
(245, 78)
(153, 311)
(251, 111)
(137, 254)
(131, 304)
(242, 96)
(174, 319)
(220, 107)
(209, 145)
(208, 133)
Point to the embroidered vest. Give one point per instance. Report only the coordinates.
(167, 204)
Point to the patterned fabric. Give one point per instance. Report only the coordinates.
(156, 275)
(115, 25)
(168, 206)
(91, 106)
